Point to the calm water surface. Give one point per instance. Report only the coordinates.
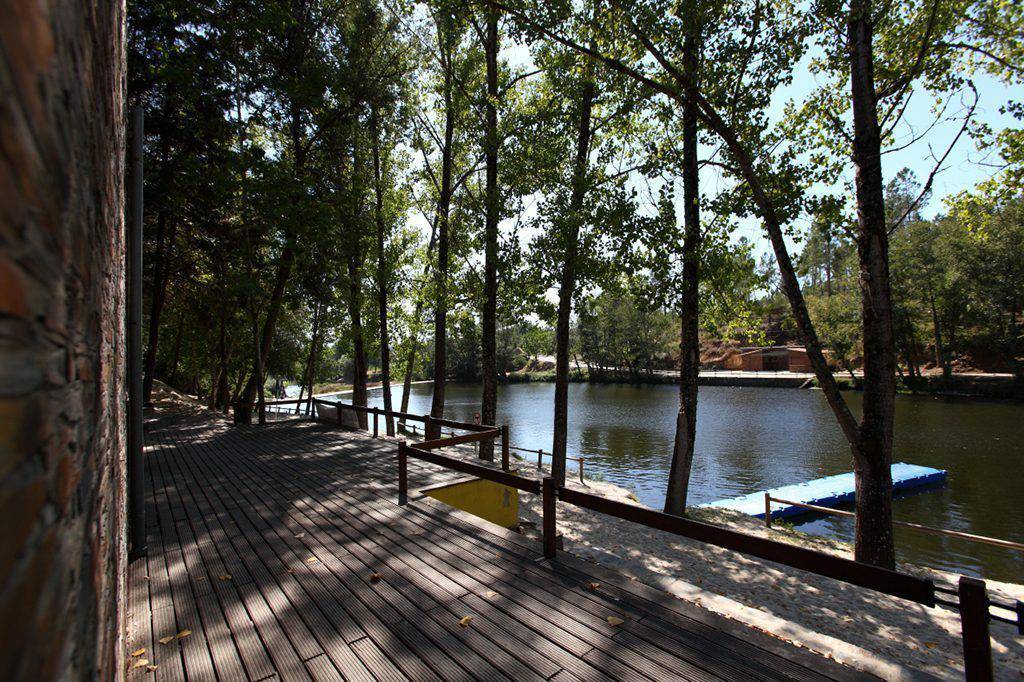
(751, 439)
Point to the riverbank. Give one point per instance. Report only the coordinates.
(877, 633)
(972, 385)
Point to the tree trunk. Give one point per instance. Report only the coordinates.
(355, 316)
(382, 276)
(164, 248)
(567, 285)
(307, 374)
(689, 346)
(441, 273)
(414, 338)
(873, 457)
(489, 350)
(940, 355)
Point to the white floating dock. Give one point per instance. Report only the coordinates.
(830, 491)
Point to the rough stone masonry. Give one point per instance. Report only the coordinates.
(62, 338)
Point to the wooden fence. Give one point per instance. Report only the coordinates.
(973, 602)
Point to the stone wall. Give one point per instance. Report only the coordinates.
(62, 339)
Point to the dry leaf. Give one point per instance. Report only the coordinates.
(465, 621)
(141, 663)
(593, 586)
(167, 639)
(375, 577)
(225, 576)
(490, 593)
(183, 633)
(201, 578)
(138, 652)
(300, 535)
(145, 577)
(931, 645)
(151, 668)
(312, 560)
(614, 620)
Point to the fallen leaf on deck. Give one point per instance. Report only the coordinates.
(613, 620)
(145, 577)
(300, 535)
(465, 621)
(138, 652)
(141, 663)
(201, 579)
(931, 645)
(593, 586)
(167, 639)
(225, 576)
(151, 668)
(490, 593)
(312, 560)
(375, 577)
(183, 633)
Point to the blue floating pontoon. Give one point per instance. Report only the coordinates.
(830, 491)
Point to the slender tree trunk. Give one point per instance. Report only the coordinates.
(571, 235)
(382, 275)
(689, 343)
(307, 374)
(164, 249)
(489, 350)
(176, 354)
(441, 273)
(940, 354)
(873, 459)
(414, 335)
(358, 347)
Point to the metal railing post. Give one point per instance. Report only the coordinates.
(375, 422)
(548, 504)
(403, 474)
(767, 509)
(504, 447)
(974, 629)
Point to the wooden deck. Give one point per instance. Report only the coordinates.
(280, 552)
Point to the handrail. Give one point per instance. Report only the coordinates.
(1008, 544)
(478, 432)
(530, 485)
(474, 437)
(884, 580)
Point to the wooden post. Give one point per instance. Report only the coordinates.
(580, 460)
(550, 527)
(974, 629)
(504, 447)
(403, 475)
(767, 509)
(375, 422)
(136, 436)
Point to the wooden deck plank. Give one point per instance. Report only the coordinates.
(237, 512)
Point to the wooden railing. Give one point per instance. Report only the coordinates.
(973, 602)
(490, 432)
(817, 509)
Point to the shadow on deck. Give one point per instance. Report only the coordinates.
(280, 551)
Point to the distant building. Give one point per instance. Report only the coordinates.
(770, 359)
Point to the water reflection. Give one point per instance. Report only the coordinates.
(750, 439)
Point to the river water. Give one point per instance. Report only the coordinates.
(752, 439)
